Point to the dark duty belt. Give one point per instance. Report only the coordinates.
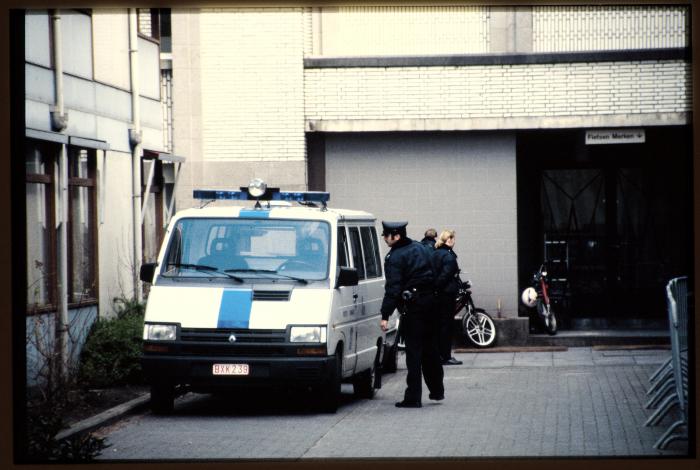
(414, 292)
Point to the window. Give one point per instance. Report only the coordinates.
(248, 248)
(357, 252)
(342, 248)
(41, 268)
(152, 228)
(41, 172)
(377, 256)
(155, 23)
(82, 233)
(369, 249)
(165, 30)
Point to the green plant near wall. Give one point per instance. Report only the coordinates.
(112, 350)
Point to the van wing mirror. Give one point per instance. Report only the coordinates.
(347, 277)
(147, 271)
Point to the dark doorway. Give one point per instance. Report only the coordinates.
(613, 222)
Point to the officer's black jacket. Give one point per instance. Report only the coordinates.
(444, 262)
(406, 265)
(428, 242)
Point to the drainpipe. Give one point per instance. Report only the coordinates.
(136, 148)
(59, 122)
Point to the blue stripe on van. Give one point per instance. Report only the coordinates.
(234, 311)
(254, 214)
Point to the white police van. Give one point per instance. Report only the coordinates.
(267, 295)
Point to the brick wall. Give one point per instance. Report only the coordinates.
(252, 84)
(578, 89)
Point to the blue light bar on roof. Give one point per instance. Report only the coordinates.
(302, 196)
(219, 194)
(296, 196)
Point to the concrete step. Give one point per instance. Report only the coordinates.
(583, 338)
(514, 332)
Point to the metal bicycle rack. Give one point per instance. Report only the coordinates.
(669, 383)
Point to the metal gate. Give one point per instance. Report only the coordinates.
(602, 242)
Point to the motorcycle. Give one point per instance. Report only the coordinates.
(477, 325)
(537, 297)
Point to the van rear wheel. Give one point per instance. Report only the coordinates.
(363, 383)
(391, 356)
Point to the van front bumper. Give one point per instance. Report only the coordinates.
(197, 372)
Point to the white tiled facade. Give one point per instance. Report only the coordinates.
(399, 30)
(257, 99)
(251, 84)
(579, 89)
(253, 88)
(586, 28)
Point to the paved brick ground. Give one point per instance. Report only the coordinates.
(579, 402)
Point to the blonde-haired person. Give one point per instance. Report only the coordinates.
(446, 270)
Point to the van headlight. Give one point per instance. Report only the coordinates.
(157, 332)
(307, 334)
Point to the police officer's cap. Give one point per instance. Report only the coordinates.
(393, 228)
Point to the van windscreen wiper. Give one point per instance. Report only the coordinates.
(267, 271)
(206, 269)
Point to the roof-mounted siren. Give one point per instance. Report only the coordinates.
(259, 191)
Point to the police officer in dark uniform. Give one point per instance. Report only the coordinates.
(429, 239)
(409, 287)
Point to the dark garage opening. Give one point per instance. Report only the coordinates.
(613, 221)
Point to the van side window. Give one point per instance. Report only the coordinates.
(377, 256)
(368, 251)
(174, 255)
(342, 248)
(357, 252)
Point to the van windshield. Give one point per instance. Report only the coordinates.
(249, 248)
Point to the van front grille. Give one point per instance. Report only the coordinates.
(272, 295)
(233, 350)
(222, 335)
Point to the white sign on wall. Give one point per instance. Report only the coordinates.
(615, 136)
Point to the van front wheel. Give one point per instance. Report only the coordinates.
(162, 398)
(330, 392)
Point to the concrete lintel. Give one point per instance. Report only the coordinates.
(499, 57)
(497, 123)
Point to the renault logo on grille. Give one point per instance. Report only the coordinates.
(232, 339)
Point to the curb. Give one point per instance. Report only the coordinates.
(507, 349)
(104, 418)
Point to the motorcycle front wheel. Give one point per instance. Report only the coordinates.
(548, 318)
(479, 328)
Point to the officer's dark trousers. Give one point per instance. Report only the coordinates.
(420, 327)
(446, 305)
